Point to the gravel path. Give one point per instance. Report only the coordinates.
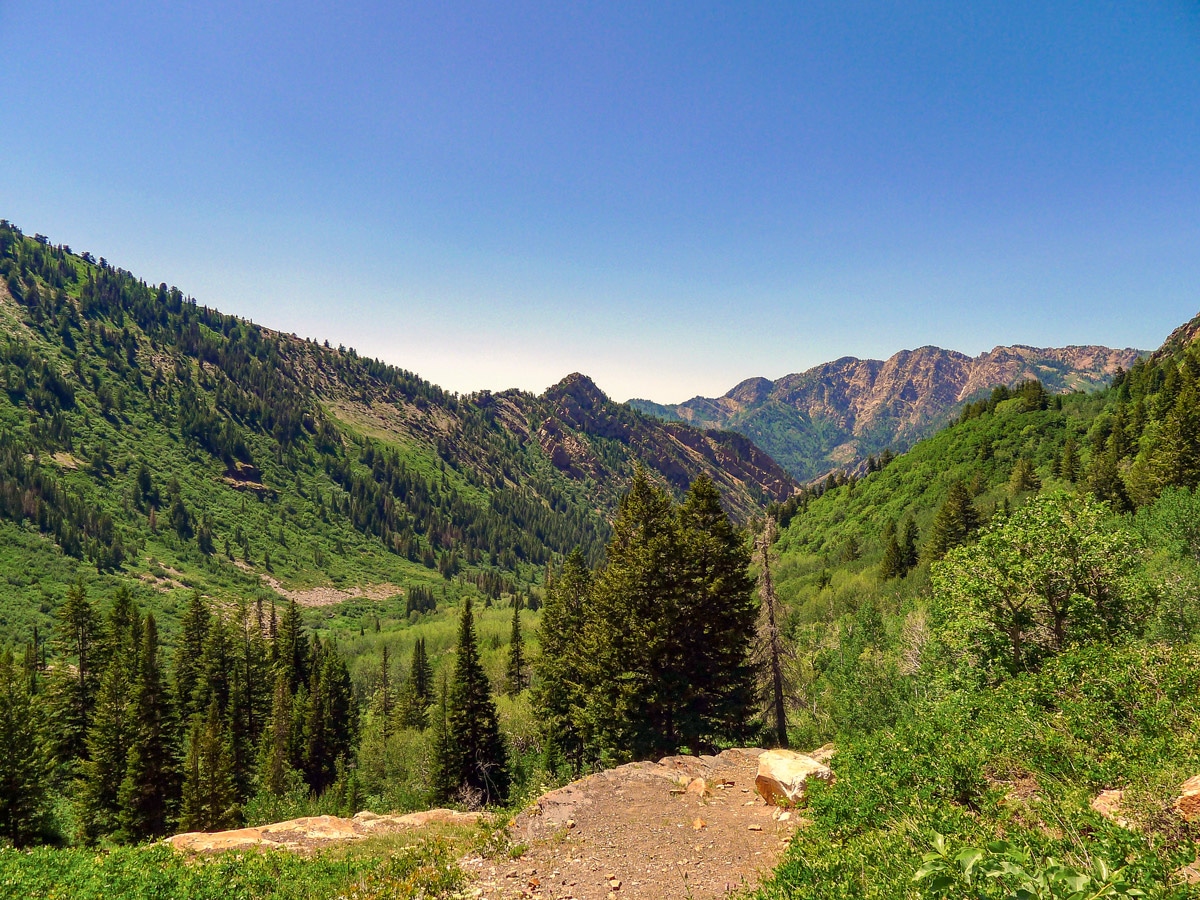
(683, 827)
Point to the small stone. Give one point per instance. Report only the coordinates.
(698, 824)
(570, 823)
(614, 883)
(755, 827)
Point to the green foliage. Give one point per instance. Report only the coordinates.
(1016, 763)
(1053, 574)
(156, 872)
(1005, 871)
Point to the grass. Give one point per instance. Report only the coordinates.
(393, 866)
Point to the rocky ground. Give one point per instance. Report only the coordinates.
(683, 827)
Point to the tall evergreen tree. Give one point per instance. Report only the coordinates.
(557, 695)
(209, 801)
(1024, 478)
(24, 766)
(444, 778)
(1068, 462)
(422, 672)
(328, 722)
(413, 704)
(73, 693)
(113, 724)
(956, 521)
(630, 658)
(291, 650)
(909, 536)
(714, 624)
(275, 757)
(383, 700)
(189, 652)
(149, 789)
(474, 755)
(515, 671)
(664, 658)
(892, 564)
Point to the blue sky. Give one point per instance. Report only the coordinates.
(668, 197)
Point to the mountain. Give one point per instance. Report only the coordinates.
(156, 443)
(836, 414)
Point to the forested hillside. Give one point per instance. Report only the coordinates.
(994, 628)
(157, 442)
(836, 415)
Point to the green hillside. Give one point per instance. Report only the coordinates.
(149, 441)
(1032, 646)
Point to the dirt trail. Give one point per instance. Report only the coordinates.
(682, 827)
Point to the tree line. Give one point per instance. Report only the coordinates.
(142, 746)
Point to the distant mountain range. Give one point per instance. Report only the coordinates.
(834, 415)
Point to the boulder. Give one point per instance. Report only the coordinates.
(1188, 802)
(783, 776)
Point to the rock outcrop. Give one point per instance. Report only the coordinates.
(312, 832)
(783, 776)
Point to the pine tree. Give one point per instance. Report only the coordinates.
(557, 695)
(189, 652)
(1105, 481)
(714, 622)
(73, 694)
(475, 756)
(328, 723)
(892, 565)
(909, 536)
(209, 800)
(1024, 478)
(149, 787)
(1068, 463)
(383, 693)
(515, 672)
(629, 660)
(444, 779)
(113, 724)
(422, 673)
(24, 766)
(275, 757)
(291, 651)
(956, 521)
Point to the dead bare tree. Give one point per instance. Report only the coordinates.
(774, 658)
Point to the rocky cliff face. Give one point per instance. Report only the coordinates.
(834, 415)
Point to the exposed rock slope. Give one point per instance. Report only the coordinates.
(834, 415)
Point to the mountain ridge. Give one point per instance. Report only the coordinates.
(833, 415)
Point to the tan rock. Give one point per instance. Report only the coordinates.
(1108, 804)
(315, 831)
(1188, 802)
(783, 776)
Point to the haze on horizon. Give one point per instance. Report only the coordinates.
(669, 199)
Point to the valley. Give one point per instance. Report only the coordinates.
(249, 578)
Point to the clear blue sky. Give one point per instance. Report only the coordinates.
(669, 197)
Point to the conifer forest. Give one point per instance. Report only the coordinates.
(248, 577)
